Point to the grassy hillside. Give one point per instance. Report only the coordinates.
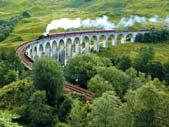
(43, 12)
(161, 50)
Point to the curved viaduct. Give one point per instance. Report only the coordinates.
(63, 46)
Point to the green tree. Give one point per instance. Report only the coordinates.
(162, 114)
(80, 114)
(136, 79)
(118, 79)
(155, 36)
(11, 76)
(144, 56)
(16, 94)
(47, 74)
(155, 69)
(124, 63)
(65, 109)
(82, 67)
(104, 110)
(143, 104)
(99, 85)
(11, 68)
(40, 114)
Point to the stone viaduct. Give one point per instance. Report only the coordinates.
(63, 46)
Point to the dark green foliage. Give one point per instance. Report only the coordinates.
(6, 27)
(81, 68)
(10, 59)
(18, 38)
(155, 69)
(99, 85)
(118, 79)
(136, 79)
(65, 110)
(146, 100)
(2, 37)
(11, 76)
(104, 110)
(47, 74)
(144, 107)
(143, 62)
(35, 112)
(16, 94)
(145, 118)
(40, 114)
(79, 115)
(11, 68)
(124, 63)
(26, 14)
(155, 36)
(78, 96)
(166, 72)
(144, 56)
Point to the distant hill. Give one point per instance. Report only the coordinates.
(91, 7)
(42, 12)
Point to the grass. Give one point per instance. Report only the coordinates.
(44, 11)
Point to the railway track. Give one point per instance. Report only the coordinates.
(69, 88)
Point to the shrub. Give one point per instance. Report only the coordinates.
(26, 14)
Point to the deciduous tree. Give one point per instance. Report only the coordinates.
(47, 74)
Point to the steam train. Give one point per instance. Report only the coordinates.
(80, 32)
(73, 33)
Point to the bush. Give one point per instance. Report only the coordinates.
(155, 36)
(18, 38)
(26, 14)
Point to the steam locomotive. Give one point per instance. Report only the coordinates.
(43, 37)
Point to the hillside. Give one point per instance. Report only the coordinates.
(42, 12)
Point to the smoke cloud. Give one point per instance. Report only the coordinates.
(167, 19)
(154, 19)
(102, 23)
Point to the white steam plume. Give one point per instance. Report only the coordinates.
(102, 23)
(124, 22)
(167, 19)
(154, 19)
(65, 23)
